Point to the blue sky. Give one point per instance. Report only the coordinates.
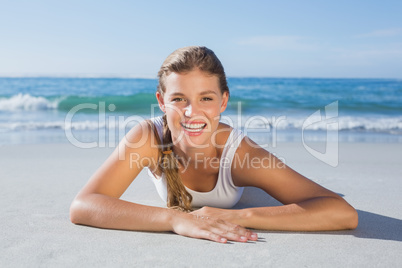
(348, 39)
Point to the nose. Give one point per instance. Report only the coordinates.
(188, 110)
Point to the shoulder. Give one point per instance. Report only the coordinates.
(222, 127)
(142, 143)
(134, 152)
(248, 147)
(252, 162)
(222, 134)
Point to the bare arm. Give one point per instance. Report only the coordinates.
(98, 203)
(112, 213)
(307, 205)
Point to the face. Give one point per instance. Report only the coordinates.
(193, 103)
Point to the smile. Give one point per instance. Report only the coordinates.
(193, 127)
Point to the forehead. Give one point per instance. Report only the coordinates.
(191, 82)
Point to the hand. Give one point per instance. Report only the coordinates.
(205, 227)
(230, 215)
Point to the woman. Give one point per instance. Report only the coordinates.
(196, 161)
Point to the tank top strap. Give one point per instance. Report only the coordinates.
(232, 143)
(225, 172)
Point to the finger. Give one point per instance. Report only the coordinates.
(241, 232)
(221, 231)
(212, 236)
(245, 232)
(237, 229)
(230, 233)
(231, 236)
(252, 236)
(228, 230)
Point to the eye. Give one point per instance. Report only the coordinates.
(206, 99)
(178, 99)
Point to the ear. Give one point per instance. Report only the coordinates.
(161, 102)
(225, 99)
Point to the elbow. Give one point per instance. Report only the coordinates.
(349, 219)
(76, 212)
(341, 216)
(352, 219)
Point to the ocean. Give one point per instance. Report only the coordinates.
(99, 111)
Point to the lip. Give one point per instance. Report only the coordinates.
(193, 133)
(193, 122)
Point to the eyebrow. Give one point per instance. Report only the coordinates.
(202, 93)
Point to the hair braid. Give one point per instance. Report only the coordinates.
(178, 197)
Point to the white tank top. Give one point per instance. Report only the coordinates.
(225, 194)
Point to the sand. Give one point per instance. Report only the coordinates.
(38, 183)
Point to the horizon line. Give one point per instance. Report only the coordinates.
(151, 77)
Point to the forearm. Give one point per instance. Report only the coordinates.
(113, 213)
(318, 214)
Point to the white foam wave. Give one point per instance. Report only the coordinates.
(62, 125)
(26, 102)
(392, 125)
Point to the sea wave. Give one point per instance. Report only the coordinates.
(146, 103)
(27, 102)
(342, 123)
(139, 103)
(390, 125)
(62, 125)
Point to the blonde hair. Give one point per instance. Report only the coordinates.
(181, 61)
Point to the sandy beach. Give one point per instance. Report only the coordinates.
(38, 183)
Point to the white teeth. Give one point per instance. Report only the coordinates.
(193, 130)
(193, 127)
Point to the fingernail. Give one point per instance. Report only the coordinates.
(254, 236)
(243, 238)
(223, 239)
